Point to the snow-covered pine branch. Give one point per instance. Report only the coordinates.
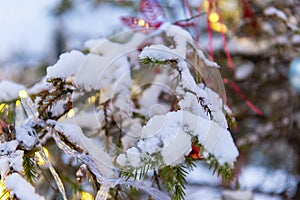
(121, 118)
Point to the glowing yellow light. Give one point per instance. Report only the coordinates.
(86, 196)
(92, 99)
(40, 160)
(18, 103)
(147, 25)
(23, 94)
(3, 106)
(141, 22)
(71, 113)
(4, 193)
(213, 17)
(219, 27)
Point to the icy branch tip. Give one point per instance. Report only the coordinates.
(23, 94)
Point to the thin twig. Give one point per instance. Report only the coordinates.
(191, 18)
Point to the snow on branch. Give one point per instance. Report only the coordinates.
(125, 108)
(21, 188)
(9, 90)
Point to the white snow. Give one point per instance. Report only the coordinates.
(122, 159)
(269, 181)
(158, 52)
(180, 145)
(202, 175)
(237, 195)
(217, 107)
(275, 11)
(181, 38)
(165, 132)
(106, 64)
(10, 90)
(133, 157)
(75, 135)
(205, 193)
(67, 65)
(58, 108)
(8, 147)
(296, 39)
(10, 157)
(207, 61)
(25, 135)
(21, 188)
(266, 197)
(244, 70)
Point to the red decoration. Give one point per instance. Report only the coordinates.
(196, 153)
(152, 12)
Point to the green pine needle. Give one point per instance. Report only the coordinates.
(29, 165)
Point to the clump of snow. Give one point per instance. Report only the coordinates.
(170, 135)
(133, 157)
(236, 195)
(243, 71)
(10, 90)
(106, 64)
(21, 188)
(67, 65)
(158, 52)
(10, 158)
(180, 145)
(8, 147)
(275, 11)
(25, 135)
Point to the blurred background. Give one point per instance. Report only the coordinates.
(262, 38)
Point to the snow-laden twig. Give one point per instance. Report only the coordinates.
(104, 181)
(32, 113)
